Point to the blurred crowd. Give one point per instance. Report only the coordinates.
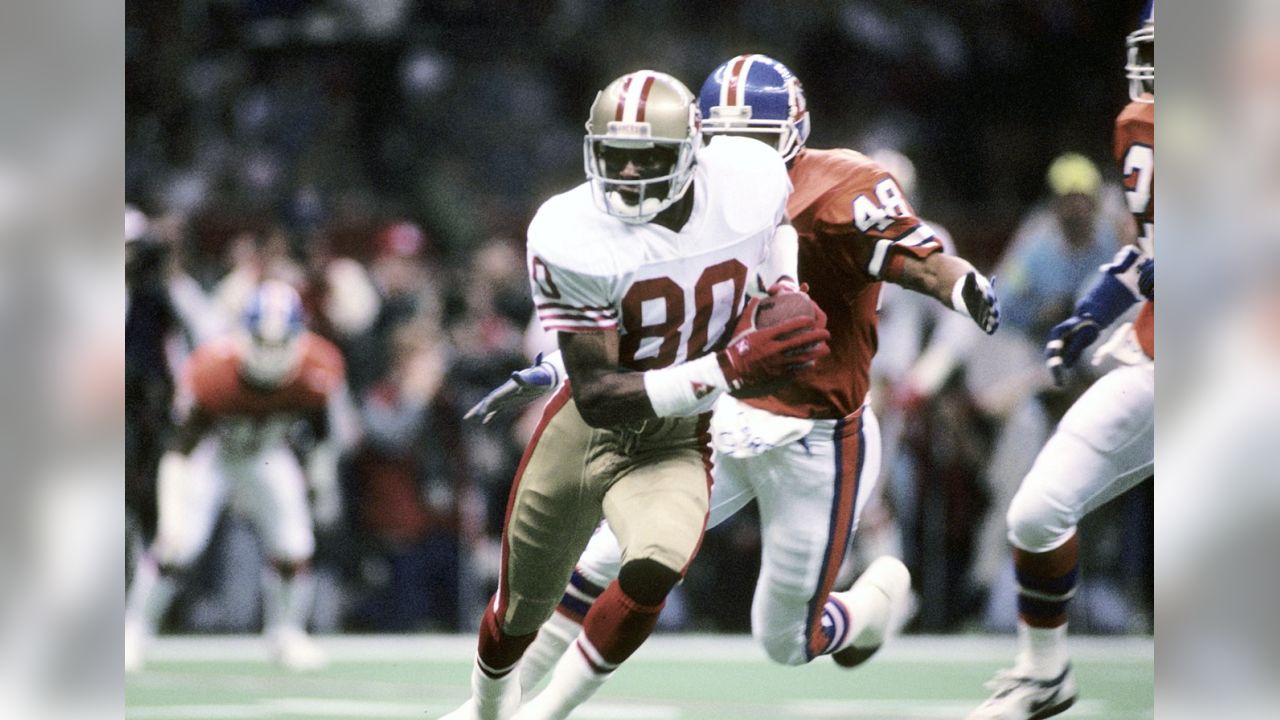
(385, 157)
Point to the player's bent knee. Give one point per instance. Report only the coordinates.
(1035, 525)
(647, 581)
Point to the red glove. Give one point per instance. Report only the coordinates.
(761, 360)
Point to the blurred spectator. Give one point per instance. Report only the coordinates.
(408, 288)
(1060, 245)
(167, 314)
(407, 480)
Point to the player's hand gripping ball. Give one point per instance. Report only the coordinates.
(778, 336)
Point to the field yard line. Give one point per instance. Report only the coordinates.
(668, 648)
(597, 710)
(337, 708)
(909, 709)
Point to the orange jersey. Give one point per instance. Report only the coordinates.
(856, 228)
(1135, 150)
(213, 375)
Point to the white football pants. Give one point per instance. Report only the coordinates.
(268, 487)
(1104, 445)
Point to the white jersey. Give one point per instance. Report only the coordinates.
(671, 296)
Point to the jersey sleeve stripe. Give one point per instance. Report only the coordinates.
(577, 308)
(919, 236)
(878, 256)
(559, 327)
(576, 317)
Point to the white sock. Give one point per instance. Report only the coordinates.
(149, 596)
(553, 639)
(573, 682)
(1042, 652)
(867, 614)
(286, 604)
(494, 698)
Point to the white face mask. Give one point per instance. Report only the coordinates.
(270, 364)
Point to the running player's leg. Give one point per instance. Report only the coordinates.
(278, 505)
(191, 495)
(811, 494)
(657, 507)
(598, 567)
(1103, 446)
(551, 513)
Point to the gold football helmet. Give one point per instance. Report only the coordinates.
(641, 138)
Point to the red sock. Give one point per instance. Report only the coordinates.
(497, 651)
(616, 625)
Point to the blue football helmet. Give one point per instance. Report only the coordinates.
(272, 329)
(1141, 68)
(757, 96)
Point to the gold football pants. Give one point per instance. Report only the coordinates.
(651, 482)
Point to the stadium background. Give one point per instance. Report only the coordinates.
(403, 146)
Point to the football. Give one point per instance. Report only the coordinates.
(777, 309)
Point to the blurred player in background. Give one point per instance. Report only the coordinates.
(641, 271)
(1105, 443)
(809, 454)
(251, 393)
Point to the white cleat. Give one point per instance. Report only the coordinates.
(881, 597)
(295, 651)
(134, 640)
(1017, 697)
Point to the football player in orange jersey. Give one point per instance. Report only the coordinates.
(809, 454)
(248, 392)
(1105, 443)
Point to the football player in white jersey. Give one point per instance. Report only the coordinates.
(810, 454)
(641, 272)
(1105, 443)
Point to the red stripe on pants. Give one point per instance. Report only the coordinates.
(850, 459)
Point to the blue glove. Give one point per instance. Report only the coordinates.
(1147, 278)
(524, 387)
(1067, 340)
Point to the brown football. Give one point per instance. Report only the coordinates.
(780, 308)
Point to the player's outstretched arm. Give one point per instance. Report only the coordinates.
(523, 387)
(954, 282)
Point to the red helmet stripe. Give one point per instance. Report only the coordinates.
(732, 97)
(622, 98)
(644, 97)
